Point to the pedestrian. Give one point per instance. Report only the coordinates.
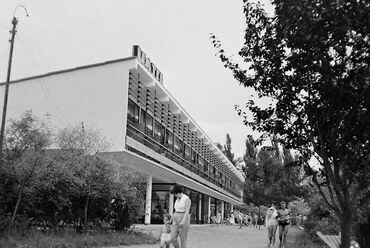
(299, 221)
(232, 219)
(165, 237)
(255, 220)
(218, 218)
(181, 218)
(284, 216)
(271, 224)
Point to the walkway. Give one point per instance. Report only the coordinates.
(204, 236)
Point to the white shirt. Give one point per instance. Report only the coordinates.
(180, 203)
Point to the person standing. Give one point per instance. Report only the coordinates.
(271, 224)
(284, 216)
(232, 219)
(165, 237)
(181, 217)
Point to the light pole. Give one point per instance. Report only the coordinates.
(13, 32)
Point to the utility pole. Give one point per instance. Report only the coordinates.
(13, 32)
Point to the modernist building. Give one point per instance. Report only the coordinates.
(148, 129)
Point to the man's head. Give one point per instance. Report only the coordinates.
(283, 204)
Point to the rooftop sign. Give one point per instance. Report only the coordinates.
(141, 56)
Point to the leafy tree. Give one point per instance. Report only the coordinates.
(226, 149)
(92, 175)
(312, 59)
(26, 141)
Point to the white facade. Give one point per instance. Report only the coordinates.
(98, 95)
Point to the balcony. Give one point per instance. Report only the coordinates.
(137, 132)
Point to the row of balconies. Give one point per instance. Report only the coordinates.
(137, 132)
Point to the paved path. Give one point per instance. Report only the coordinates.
(204, 236)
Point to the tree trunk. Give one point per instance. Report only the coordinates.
(85, 214)
(345, 227)
(15, 210)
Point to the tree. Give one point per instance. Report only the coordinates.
(26, 141)
(312, 60)
(92, 175)
(226, 149)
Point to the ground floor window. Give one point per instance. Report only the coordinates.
(160, 203)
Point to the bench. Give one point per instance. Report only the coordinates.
(333, 241)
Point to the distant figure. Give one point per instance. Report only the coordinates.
(284, 216)
(218, 218)
(299, 221)
(255, 220)
(165, 238)
(271, 224)
(232, 219)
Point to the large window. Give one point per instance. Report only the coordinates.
(178, 145)
(149, 124)
(160, 200)
(133, 111)
(187, 151)
(158, 132)
(169, 137)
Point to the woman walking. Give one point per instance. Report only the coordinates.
(181, 217)
(271, 224)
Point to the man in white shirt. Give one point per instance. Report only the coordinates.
(180, 218)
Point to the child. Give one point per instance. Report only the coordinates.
(166, 232)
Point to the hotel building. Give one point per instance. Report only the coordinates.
(148, 129)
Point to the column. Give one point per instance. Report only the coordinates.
(223, 209)
(148, 202)
(200, 208)
(170, 205)
(209, 209)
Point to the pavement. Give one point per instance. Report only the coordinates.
(204, 236)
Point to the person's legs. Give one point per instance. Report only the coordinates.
(183, 232)
(269, 235)
(162, 244)
(280, 235)
(285, 233)
(175, 230)
(274, 228)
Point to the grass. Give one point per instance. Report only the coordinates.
(35, 239)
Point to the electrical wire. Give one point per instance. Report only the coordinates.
(41, 81)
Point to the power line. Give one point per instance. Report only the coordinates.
(42, 83)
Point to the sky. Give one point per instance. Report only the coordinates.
(174, 34)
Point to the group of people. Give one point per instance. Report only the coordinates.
(247, 219)
(176, 227)
(278, 218)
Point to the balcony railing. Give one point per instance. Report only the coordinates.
(137, 131)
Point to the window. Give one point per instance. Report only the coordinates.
(187, 151)
(169, 137)
(158, 132)
(193, 156)
(149, 124)
(133, 111)
(178, 145)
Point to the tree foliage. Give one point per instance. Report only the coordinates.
(54, 179)
(312, 59)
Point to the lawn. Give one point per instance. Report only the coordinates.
(36, 239)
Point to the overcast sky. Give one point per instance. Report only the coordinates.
(62, 34)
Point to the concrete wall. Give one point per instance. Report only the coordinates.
(95, 95)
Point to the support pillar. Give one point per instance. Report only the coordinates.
(223, 210)
(200, 209)
(209, 209)
(148, 202)
(170, 205)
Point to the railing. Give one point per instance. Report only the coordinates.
(137, 132)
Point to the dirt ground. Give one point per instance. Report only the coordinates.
(203, 236)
